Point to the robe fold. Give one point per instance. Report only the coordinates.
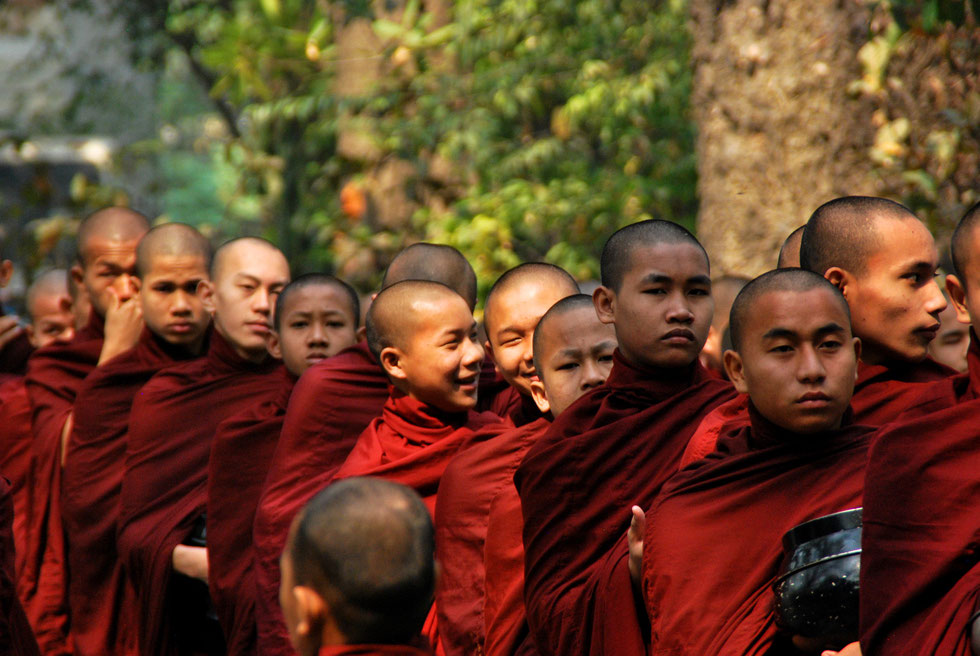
(101, 597)
(54, 376)
(611, 449)
(920, 566)
(14, 356)
(240, 455)
(713, 545)
(881, 394)
(372, 650)
(16, 636)
(15, 456)
(471, 481)
(164, 487)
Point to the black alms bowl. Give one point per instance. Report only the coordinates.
(817, 592)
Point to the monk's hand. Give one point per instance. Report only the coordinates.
(191, 561)
(853, 649)
(638, 527)
(123, 325)
(9, 329)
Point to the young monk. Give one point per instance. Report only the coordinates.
(318, 432)
(616, 445)
(573, 354)
(514, 306)
(724, 290)
(713, 545)
(49, 309)
(171, 426)
(316, 317)
(789, 253)
(172, 261)
(366, 589)
(883, 260)
(920, 578)
(105, 268)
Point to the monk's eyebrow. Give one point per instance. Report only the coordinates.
(569, 352)
(832, 327)
(779, 333)
(657, 278)
(604, 346)
(244, 277)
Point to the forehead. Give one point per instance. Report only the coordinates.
(102, 248)
(317, 298)
(46, 303)
(529, 298)
(435, 316)
(800, 312)
(899, 243)
(255, 260)
(176, 265)
(578, 328)
(679, 261)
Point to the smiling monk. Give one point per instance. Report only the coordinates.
(171, 427)
(616, 445)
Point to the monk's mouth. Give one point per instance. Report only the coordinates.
(929, 332)
(814, 400)
(260, 328)
(181, 328)
(679, 336)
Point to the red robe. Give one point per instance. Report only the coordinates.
(240, 456)
(54, 376)
(713, 546)
(16, 637)
(471, 481)
(14, 356)
(611, 449)
(372, 650)
(880, 395)
(164, 488)
(15, 456)
(101, 598)
(920, 570)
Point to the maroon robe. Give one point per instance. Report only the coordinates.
(920, 569)
(471, 481)
(713, 546)
(373, 650)
(54, 376)
(611, 449)
(14, 356)
(164, 488)
(15, 456)
(240, 456)
(101, 597)
(16, 636)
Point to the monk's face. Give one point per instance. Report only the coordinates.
(441, 358)
(173, 307)
(109, 266)
(576, 356)
(952, 341)
(51, 320)
(250, 278)
(317, 323)
(663, 308)
(512, 315)
(895, 303)
(797, 360)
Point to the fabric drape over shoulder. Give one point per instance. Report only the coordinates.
(164, 488)
(713, 546)
(611, 449)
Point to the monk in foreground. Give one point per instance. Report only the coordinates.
(616, 445)
(366, 589)
(316, 317)
(713, 545)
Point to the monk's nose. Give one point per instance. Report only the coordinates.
(810, 367)
(592, 375)
(936, 302)
(124, 286)
(317, 335)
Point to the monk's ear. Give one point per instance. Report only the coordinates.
(273, 344)
(392, 362)
(361, 333)
(540, 396)
(205, 290)
(735, 370)
(957, 294)
(840, 279)
(77, 275)
(604, 300)
(311, 613)
(857, 354)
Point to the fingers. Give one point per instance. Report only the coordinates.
(9, 329)
(639, 522)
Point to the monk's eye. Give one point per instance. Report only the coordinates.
(699, 292)
(831, 344)
(782, 348)
(606, 358)
(248, 289)
(655, 291)
(336, 324)
(299, 324)
(568, 366)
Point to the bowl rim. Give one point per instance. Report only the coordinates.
(821, 526)
(820, 561)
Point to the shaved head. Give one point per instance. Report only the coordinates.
(962, 241)
(366, 546)
(531, 274)
(318, 280)
(845, 232)
(112, 224)
(617, 253)
(230, 248)
(50, 283)
(789, 253)
(435, 263)
(778, 280)
(558, 310)
(174, 240)
(49, 306)
(397, 311)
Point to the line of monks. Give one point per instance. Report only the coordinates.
(204, 456)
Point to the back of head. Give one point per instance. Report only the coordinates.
(844, 232)
(434, 263)
(616, 254)
(789, 252)
(171, 240)
(962, 241)
(318, 280)
(366, 546)
(114, 224)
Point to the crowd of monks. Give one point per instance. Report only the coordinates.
(203, 455)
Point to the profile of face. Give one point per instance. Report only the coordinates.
(895, 302)
(51, 320)
(952, 341)
(511, 317)
(440, 361)
(317, 323)
(243, 294)
(797, 360)
(576, 355)
(108, 268)
(172, 302)
(663, 308)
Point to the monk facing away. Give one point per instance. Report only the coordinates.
(573, 354)
(920, 575)
(316, 317)
(515, 304)
(616, 445)
(713, 545)
(363, 589)
(104, 268)
(172, 261)
(162, 532)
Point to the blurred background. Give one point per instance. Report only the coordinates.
(515, 130)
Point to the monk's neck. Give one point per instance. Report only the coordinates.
(767, 433)
(661, 380)
(252, 356)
